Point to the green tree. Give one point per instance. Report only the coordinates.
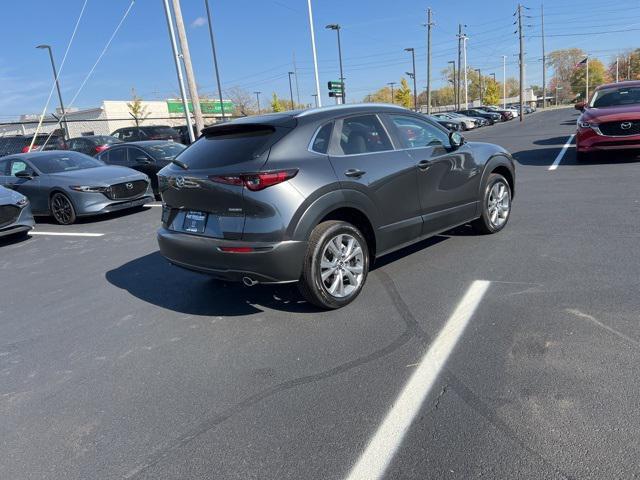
(403, 94)
(492, 93)
(513, 87)
(276, 104)
(136, 109)
(597, 76)
(382, 95)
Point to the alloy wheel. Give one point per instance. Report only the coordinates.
(341, 266)
(498, 204)
(62, 209)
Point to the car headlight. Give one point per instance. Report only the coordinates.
(88, 188)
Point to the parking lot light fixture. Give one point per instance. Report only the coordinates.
(55, 77)
(336, 27)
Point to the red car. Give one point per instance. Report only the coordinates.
(610, 120)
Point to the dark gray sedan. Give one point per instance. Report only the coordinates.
(67, 185)
(15, 213)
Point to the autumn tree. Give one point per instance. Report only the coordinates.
(597, 76)
(628, 65)
(403, 94)
(244, 103)
(136, 109)
(492, 93)
(382, 95)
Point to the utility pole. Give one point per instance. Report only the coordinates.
(521, 35)
(429, 25)
(415, 88)
(295, 69)
(464, 65)
(544, 61)
(617, 68)
(586, 96)
(455, 98)
(55, 77)
(315, 56)
(480, 83)
(176, 58)
(459, 64)
(504, 81)
(258, 100)
(215, 57)
(336, 27)
(629, 68)
(315, 98)
(188, 67)
(392, 84)
(291, 90)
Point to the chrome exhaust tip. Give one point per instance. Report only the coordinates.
(249, 282)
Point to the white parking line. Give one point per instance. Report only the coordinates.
(382, 447)
(558, 159)
(153, 205)
(67, 234)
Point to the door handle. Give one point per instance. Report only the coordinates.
(354, 172)
(424, 164)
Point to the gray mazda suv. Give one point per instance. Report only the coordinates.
(315, 196)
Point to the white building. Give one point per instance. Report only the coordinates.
(114, 114)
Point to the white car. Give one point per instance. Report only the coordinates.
(465, 123)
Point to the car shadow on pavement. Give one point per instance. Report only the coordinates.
(560, 141)
(13, 240)
(48, 220)
(538, 157)
(154, 280)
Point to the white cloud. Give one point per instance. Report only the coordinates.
(199, 22)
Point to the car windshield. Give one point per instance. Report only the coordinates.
(166, 151)
(614, 97)
(65, 162)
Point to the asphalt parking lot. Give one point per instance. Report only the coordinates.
(115, 364)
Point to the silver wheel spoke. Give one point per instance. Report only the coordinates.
(356, 251)
(350, 243)
(342, 266)
(356, 269)
(353, 281)
(327, 273)
(334, 286)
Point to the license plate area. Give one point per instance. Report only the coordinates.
(195, 222)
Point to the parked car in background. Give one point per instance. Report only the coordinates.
(67, 185)
(146, 157)
(451, 125)
(15, 213)
(492, 117)
(142, 133)
(504, 114)
(20, 143)
(92, 144)
(463, 123)
(478, 121)
(610, 120)
(316, 196)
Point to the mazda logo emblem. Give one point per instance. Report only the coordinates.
(179, 182)
(129, 186)
(625, 125)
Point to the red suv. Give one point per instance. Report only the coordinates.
(610, 120)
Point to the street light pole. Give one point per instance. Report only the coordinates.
(336, 27)
(315, 57)
(429, 25)
(258, 100)
(291, 91)
(55, 77)
(392, 84)
(504, 81)
(415, 89)
(455, 96)
(215, 57)
(480, 83)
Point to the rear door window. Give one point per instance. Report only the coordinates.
(233, 144)
(362, 134)
(321, 140)
(416, 133)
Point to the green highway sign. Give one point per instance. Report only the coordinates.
(336, 86)
(208, 107)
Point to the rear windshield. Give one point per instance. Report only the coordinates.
(65, 162)
(160, 130)
(165, 151)
(232, 144)
(614, 97)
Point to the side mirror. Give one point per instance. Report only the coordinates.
(456, 140)
(24, 174)
(580, 106)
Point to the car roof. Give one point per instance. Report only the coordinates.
(145, 143)
(627, 83)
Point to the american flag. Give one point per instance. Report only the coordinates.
(582, 62)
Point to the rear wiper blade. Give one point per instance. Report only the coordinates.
(182, 165)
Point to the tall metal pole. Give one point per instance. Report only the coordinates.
(415, 88)
(504, 81)
(586, 96)
(392, 84)
(429, 25)
(215, 57)
(258, 100)
(291, 90)
(617, 69)
(295, 69)
(176, 58)
(544, 61)
(315, 56)
(336, 27)
(188, 67)
(459, 64)
(455, 100)
(466, 82)
(480, 83)
(55, 77)
(521, 116)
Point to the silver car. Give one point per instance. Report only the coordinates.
(15, 213)
(67, 185)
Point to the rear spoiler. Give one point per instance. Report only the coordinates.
(239, 127)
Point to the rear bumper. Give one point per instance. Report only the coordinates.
(588, 140)
(278, 262)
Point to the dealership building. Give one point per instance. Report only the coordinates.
(114, 114)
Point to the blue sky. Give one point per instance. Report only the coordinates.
(257, 40)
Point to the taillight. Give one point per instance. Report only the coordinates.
(255, 181)
(26, 149)
(101, 148)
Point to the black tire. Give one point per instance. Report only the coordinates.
(582, 157)
(484, 225)
(61, 209)
(311, 285)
